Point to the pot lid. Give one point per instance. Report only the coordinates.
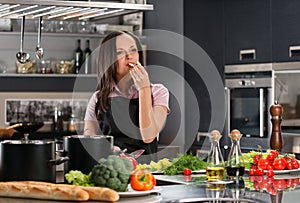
(88, 136)
(32, 142)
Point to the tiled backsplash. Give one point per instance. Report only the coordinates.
(39, 106)
(31, 110)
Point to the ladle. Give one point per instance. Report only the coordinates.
(39, 51)
(22, 57)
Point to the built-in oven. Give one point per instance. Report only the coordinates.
(249, 92)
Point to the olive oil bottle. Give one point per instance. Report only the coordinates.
(215, 168)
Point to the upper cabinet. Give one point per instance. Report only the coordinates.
(286, 30)
(261, 31)
(247, 31)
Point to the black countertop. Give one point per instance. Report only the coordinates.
(182, 189)
(282, 188)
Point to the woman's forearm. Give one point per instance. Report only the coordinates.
(151, 119)
(91, 128)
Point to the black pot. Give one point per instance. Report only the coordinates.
(28, 160)
(84, 152)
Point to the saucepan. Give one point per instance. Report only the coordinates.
(84, 151)
(28, 160)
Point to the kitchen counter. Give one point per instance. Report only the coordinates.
(251, 189)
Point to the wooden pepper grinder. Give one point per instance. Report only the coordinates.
(276, 141)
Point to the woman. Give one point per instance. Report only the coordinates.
(126, 105)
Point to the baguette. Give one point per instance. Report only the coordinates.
(101, 193)
(95, 192)
(40, 190)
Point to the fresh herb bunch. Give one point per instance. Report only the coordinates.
(76, 177)
(183, 161)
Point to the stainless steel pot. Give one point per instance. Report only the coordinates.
(28, 160)
(85, 151)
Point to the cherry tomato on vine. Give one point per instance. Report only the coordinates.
(270, 173)
(187, 171)
(295, 164)
(256, 158)
(263, 163)
(252, 172)
(271, 156)
(259, 172)
(289, 165)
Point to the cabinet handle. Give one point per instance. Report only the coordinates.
(294, 51)
(247, 54)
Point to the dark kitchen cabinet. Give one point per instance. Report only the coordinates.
(248, 37)
(286, 30)
(202, 23)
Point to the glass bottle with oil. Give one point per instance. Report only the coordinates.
(235, 167)
(215, 167)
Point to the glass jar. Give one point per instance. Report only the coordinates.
(215, 167)
(235, 164)
(44, 67)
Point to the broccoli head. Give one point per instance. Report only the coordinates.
(113, 172)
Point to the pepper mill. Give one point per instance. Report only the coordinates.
(276, 141)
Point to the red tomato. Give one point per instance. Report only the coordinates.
(142, 180)
(263, 163)
(270, 173)
(295, 164)
(256, 158)
(187, 171)
(289, 165)
(279, 164)
(270, 167)
(271, 156)
(254, 167)
(275, 152)
(259, 172)
(252, 172)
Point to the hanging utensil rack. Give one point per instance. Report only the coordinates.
(67, 10)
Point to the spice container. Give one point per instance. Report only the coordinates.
(215, 167)
(235, 164)
(73, 124)
(44, 67)
(28, 67)
(64, 67)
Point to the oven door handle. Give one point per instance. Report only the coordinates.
(261, 112)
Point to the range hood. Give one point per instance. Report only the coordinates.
(67, 10)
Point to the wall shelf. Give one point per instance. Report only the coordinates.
(47, 83)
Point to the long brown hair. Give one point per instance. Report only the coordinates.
(107, 66)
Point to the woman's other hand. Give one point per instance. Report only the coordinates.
(139, 76)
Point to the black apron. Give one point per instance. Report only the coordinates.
(121, 121)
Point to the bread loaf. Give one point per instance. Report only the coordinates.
(49, 191)
(101, 193)
(94, 193)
